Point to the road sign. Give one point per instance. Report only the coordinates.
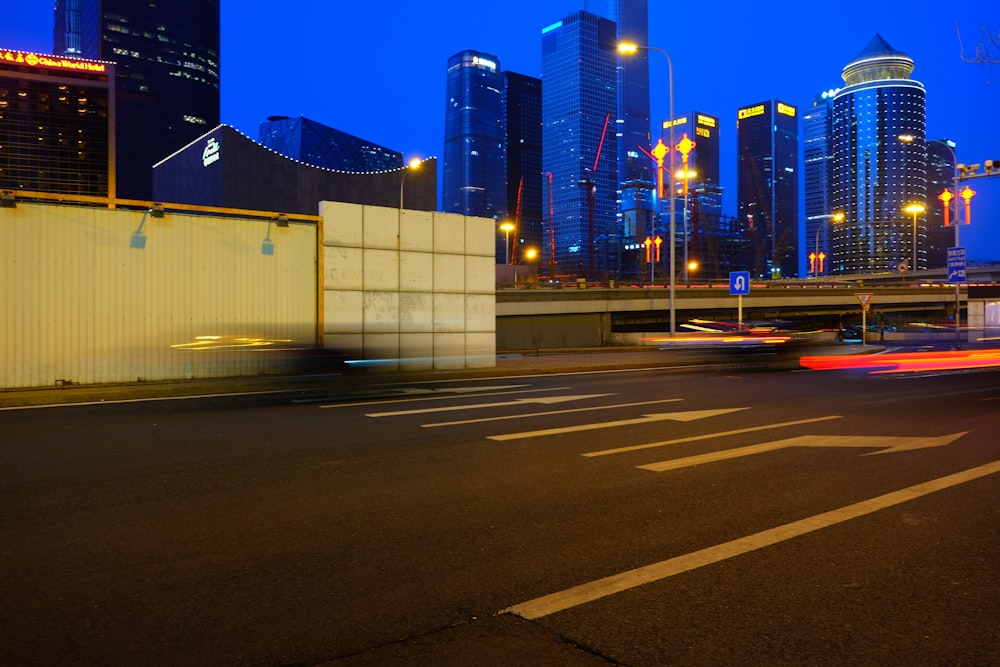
(739, 282)
(956, 265)
(864, 299)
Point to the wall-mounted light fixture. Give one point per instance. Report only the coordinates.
(267, 247)
(7, 199)
(157, 210)
(281, 220)
(138, 238)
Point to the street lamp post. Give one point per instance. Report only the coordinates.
(915, 209)
(506, 228)
(413, 165)
(630, 48)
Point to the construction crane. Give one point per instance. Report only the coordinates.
(591, 188)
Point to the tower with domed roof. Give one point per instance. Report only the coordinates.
(875, 175)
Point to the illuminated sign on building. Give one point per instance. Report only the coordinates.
(483, 62)
(212, 152)
(707, 121)
(703, 132)
(786, 109)
(750, 112)
(675, 122)
(52, 62)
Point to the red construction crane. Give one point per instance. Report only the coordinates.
(588, 183)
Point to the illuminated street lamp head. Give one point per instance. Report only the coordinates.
(906, 138)
(507, 226)
(838, 217)
(415, 163)
(530, 254)
(628, 48)
(914, 208)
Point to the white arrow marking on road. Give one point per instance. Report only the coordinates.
(886, 443)
(544, 400)
(708, 436)
(645, 419)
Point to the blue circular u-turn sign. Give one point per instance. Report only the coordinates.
(739, 282)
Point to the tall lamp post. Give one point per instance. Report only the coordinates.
(817, 257)
(413, 165)
(506, 227)
(631, 48)
(915, 209)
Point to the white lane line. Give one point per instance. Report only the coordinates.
(595, 590)
(546, 414)
(148, 399)
(437, 397)
(544, 400)
(707, 436)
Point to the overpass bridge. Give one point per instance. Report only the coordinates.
(540, 317)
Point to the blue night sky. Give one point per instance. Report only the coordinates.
(378, 70)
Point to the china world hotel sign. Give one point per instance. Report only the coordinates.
(52, 62)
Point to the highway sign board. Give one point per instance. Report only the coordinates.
(739, 282)
(956, 265)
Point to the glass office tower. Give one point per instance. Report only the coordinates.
(473, 174)
(875, 175)
(767, 185)
(579, 144)
(817, 133)
(522, 121)
(166, 75)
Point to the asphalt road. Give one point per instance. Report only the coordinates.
(628, 517)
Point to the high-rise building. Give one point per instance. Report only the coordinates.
(636, 171)
(767, 186)
(700, 227)
(579, 149)
(817, 133)
(166, 75)
(875, 174)
(56, 124)
(522, 150)
(940, 175)
(318, 145)
(473, 173)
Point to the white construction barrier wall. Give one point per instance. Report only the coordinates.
(410, 289)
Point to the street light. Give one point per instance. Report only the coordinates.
(631, 48)
(915, 209)
(835, 217)
(412, 166)
(507, 227)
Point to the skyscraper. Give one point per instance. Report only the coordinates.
(522, 150)
(767, 184)
(579, 145)
(473, 174)
(702, 209)
(166, 77)
(817, 132)
(875, 175)
(636, 171)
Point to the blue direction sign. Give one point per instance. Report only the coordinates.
(739, 282)
(956, 265)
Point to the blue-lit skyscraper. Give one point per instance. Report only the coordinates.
(473, 174)
(875, 175)
(767, 186)
(817, 132)
(522, 120)
(579, 99)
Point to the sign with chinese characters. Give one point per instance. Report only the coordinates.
(750, 112)
(52, 62)
(786, 109)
